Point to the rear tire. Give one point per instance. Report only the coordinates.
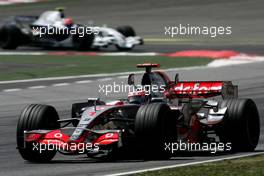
(36, 117)
(241, 125)
(155, 125)
(10, 36)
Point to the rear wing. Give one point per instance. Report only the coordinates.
(204, 89)
(148, 66)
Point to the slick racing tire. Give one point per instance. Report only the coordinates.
(10, 36)
(36, 117)
(78, 108)
(155, 125)
(127, 31)
(241, 125)
(83, 43)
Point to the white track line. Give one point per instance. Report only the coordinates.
(60, 84)
(122, 77)
(8, 2)
(21, 53)
(11, 90)
(210, 65)
(98, 54)
(185, 164)
(95, 75)
(234, 60)
(129, 54)
(243, 57)
(104, 79)
(83, 81)
(37, 87)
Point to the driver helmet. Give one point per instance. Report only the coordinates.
(68, 21)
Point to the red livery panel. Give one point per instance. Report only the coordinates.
(196, 89)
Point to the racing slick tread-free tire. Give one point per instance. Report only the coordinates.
(155, 125)
(36, 117)
(127, 31)
(9, 37)
(241, 125)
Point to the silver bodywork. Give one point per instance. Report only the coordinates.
(109, 36)
(103, 36)
(212, 117)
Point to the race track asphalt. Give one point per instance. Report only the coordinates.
(249, 77)
(149, 18)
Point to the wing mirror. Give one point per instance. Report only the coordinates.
(176, 79)
(131, 79)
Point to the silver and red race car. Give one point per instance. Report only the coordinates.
(53, 30)
(148, 123)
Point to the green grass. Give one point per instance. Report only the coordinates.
(249, 166)
(27, 67)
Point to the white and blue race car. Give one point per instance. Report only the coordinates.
(53, 30)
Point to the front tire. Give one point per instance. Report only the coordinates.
(126, 31)
(241, 125)
(36, 117)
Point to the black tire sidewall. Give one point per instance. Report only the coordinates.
(240, 124)
(12, 37)
(153, 126)
(127, 31)
(36, 117)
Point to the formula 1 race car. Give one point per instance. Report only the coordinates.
(150, 122)
(52, 30)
